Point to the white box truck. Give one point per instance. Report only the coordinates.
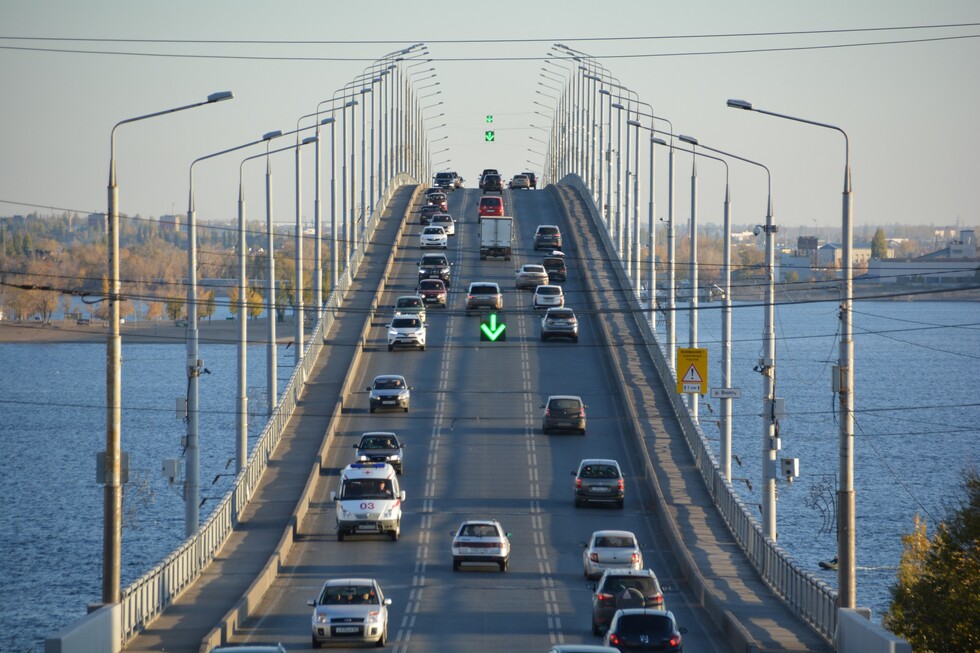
(495, 237)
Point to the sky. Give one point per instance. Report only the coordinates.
(908, 103)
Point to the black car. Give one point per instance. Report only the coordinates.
(426, 213)
(642, 629)
(445, 180)
(621, 589)
(381, 447)
(435, 266)
(554, 265)
(531, 178)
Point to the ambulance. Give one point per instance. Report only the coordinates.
(369, 501)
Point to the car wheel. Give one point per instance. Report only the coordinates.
(406, 409)
(383, 639)
(595, 628)
(372, 409)
(504, 564)
(340, 536)
(544, 338)
(456, 564)
(422, 348)
(315, 643)
(390, 348)
(619, 504)
(575, 339)
(395, 534)
(581, 431)
(579, 503)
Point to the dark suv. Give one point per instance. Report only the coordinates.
(493, 184)
(554, 265)
(445, 180)
(621, 589)
(531, 178)
(435, 266)
(547, 237)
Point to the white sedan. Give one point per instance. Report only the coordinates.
(611, 550)
(433, 236)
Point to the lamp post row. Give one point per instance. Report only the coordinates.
(578, 145)
(393, 155)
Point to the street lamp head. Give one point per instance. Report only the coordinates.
(633, 123)
(657, 141)
(367, 89)
(740, 104)
(309, 139)
(327, 121)
(604, 91)
(220, 96)
(268, 136)
(352, 103)
(617, 105)
(688, 139)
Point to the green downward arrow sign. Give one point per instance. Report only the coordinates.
(492, 330)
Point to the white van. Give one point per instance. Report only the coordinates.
(369, 500)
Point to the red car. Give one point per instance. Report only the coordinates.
(433, 291)
(491, 205)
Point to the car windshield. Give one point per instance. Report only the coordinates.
(434, 261)
(599, 471)
(433, 231)
(388, 384)
(409, 302)
(615, 542)
(434, 284)
(655, 625)
(378, 442)
(406, 323)
(349, 595)
(442, 218)
(618, 584)
(479, 530)
(367, 488)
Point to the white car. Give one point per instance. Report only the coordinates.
(350, 610)
(445, 221)
(611, 550)
(406, 331)
(481, 541)
(548, 296)
(433, 236)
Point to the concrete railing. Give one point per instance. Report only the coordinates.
(807, 595)
(150, 594)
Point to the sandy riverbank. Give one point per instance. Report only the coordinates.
(157, 332)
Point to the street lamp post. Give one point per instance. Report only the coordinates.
(846, 536)
(112, 512)
(770, 440)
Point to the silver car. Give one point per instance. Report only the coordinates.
(381, 447)
(547, 296)
(389, 391)
(530, 275)
(611, 550)
(559, 323)
(350, 610)
(599, 480)
(481, 541)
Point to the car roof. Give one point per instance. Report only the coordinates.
(389, 376)
(378, 433)
(550, 397)
(559, 309)
(547, 285)
(582, 648)
(648, 573)
(614, 534)
(334, 582)
(474, 284)
(543, 226)
(651, 611)
(488, 522)
(533, 267)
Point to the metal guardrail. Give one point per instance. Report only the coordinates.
(150, 594)
(813, 600)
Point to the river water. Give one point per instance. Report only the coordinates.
(917, 419)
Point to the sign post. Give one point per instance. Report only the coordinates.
(692, 371)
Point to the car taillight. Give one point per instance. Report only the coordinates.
(578, 483)
(620, 484)
(655, 599)
(674, 641)
(604, 597)
(581, 412)
(635, 558)
(547, 412)
(469, 296)
(594, 557)
(614, 639)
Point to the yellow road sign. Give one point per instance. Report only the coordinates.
(692, 371)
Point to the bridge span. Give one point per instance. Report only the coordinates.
(475, 450)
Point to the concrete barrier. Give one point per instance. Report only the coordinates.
(856, 633)
(100, 631)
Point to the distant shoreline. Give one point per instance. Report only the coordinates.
(155, 332)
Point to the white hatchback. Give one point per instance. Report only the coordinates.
(611, 550)
(548, 297)
(433, 236)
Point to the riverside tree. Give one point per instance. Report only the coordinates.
(936, 599)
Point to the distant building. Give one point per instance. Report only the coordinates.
(952, 265)
(98, 222)
(170, 224)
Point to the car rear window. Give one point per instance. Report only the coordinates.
(561, 315)
(548, 230)
(654, 625)
(484, 290)
(565, 404)
(549, 290)
(616, 584)
(599, 471)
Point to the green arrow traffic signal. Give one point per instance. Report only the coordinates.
(488, 136)
(490, 330)
(489, 118)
